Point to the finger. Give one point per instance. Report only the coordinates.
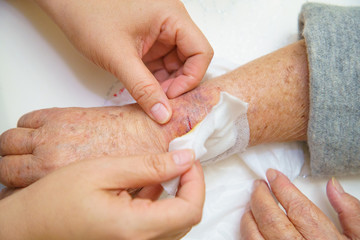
(197, 54)
(155, 65)
(172, 61)
(192, 185)
(346, 206)
(270, 219)
(139, 171)
(150, 192)
(159, 49)
(248, 227)
(161, 75)
(35, 119)
(19, 170)
(143, 87)
(307, 218)
(17, 141)
(178, 213)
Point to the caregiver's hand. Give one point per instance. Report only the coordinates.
(303, 220)
(88, 200)
(140, 42)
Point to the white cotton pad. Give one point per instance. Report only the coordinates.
(223, 132)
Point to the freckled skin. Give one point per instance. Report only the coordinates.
(275, 86)
(192, 106)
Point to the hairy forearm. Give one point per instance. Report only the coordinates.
(276, 88)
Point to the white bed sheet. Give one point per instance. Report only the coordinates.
(39, 68)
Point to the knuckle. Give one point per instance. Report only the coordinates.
(179, 4)
(301, 211)
(210, 52)
(5, 175)
(22, 120)
(5, 139)
(197, 216)
(156, 167)
(142, 91)
(270, 218)
(33, 140)
(28, 117)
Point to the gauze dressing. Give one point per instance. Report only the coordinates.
(223, 132)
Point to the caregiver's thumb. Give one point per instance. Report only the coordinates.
(143, 87)
(347, 208)
(144, 170)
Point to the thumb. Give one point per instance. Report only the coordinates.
(143, 87)
(145, 170)
(347, 208)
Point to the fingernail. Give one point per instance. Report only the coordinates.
(183, 157)
(337, 185)
(160, 113)
(271, 174)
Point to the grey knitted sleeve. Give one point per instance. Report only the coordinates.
(332, 36)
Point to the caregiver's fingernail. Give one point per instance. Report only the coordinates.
(160, 113)
(183, 157)
(337, 185)
(271, 175)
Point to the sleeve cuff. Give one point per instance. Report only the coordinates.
(332, 36)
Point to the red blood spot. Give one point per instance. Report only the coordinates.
(115, 94)
(189, 123)
(121, 90)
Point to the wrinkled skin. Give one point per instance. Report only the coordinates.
(303, 220)
(50, 138)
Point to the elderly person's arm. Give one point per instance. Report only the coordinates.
(275, 86)
(332, 37)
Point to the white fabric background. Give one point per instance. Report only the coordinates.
(39, 68)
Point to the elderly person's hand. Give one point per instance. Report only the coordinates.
(140, 42)
(51, 138)
(88, 200)
(302, 220)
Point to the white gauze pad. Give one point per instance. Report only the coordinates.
(223, 132)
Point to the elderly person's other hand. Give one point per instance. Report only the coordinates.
(302, 220)
(143, 43)
(88, 200)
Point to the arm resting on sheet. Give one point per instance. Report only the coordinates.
(275, 86)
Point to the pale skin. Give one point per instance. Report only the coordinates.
(275, 86)
(166, 53)
(88, 200)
